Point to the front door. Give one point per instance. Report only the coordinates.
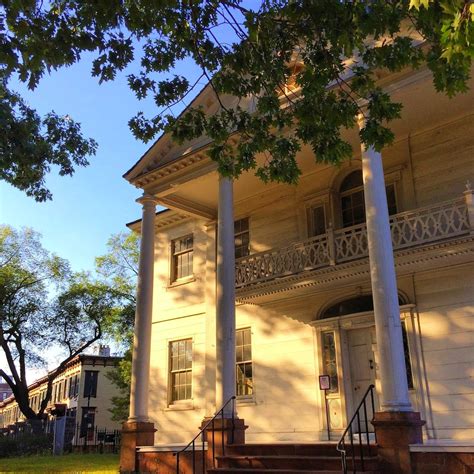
(362, 365)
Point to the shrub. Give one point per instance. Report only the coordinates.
(25, 444)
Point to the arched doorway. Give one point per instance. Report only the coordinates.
(348, 353)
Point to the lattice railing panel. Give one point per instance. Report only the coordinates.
(429, 224)
(351, 243)
(408, 229)
(295, 258)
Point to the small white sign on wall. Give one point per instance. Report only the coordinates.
(324, 382)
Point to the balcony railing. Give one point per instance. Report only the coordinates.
(409, 229)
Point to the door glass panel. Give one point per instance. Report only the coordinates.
(329, 360)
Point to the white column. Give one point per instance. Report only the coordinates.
(143, 314)
(391, 359)
(225, 296)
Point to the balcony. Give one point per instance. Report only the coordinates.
(411, 229)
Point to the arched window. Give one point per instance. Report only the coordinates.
(358, 304)
(352, 199)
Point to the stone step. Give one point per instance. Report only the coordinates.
(280, 471)
(293, 462)
(284, 449)
(224, 470)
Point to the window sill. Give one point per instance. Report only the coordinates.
(246, 401)
(185, 406)
(181, 281)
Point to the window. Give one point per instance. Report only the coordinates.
(73, 386)
(181, 369)
(182, 258)
(243, 357)
(406, 351)
(352, 199)
(90, 383)
(242, 237)
(329, 360)
(317, 221)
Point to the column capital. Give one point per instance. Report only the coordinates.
(147, 199)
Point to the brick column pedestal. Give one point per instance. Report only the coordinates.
(220, 434)
(395, 431)
(134, 434)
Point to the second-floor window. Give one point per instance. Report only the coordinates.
(73, 386)
(181, 369)
(242, 237)
(243, 359)
(352, 199)
(90, 383)
(317, 220)
(181, 258)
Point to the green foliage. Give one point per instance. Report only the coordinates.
(332, 52)
(43, 305)
(30, 145)
(121, 377)
(118, 268)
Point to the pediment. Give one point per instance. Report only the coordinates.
(166, 151)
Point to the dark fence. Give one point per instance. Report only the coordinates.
(45, 435)
(85, 438)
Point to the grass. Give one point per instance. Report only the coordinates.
(72, 463)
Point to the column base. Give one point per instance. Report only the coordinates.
(221, 433)
(395, 431)
(134, 433)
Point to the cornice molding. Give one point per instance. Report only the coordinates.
(169, 169)
(170, 220)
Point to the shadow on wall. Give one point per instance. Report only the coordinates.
(286, 401)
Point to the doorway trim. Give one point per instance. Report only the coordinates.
(341, 403)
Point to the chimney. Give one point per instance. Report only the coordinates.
(104, 350)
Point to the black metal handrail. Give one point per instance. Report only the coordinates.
(202, 434)
(341, 445)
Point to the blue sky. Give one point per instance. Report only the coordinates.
(96, 201)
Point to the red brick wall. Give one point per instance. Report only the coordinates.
(164, 462)
(442, 463)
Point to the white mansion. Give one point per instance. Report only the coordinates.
(291, 265)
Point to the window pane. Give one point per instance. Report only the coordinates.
(182, 264)
(319, 222)
(239, 354)
(247, 353)
(244, 362)
(329, 360)
(241, 238)
(354, 180)
(407, 356)
(188, 359)
(358, 198)
(391, 199)
(181, 356)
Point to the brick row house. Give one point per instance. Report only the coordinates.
(82, 391)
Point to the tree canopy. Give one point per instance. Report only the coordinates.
(44, 305)
(118, 268)
(329, 51)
